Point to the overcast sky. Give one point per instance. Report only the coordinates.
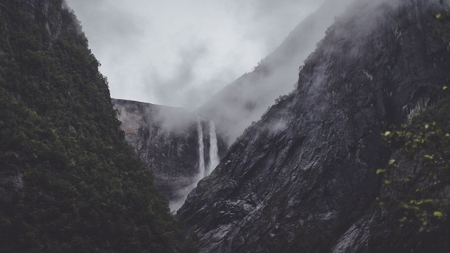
(181, 52)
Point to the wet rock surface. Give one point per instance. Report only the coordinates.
(303, 177)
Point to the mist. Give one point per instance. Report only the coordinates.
(179, 53)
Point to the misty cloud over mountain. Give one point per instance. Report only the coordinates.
(246, 99)
(146, 47)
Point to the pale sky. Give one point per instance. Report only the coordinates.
(181, 52)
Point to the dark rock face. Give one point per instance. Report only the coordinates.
(304, 175)
(240, 103)
(166, 140)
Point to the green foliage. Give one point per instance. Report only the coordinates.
(68, 180)
(420, 166)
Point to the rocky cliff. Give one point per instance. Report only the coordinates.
(167, 141)
(302, 178)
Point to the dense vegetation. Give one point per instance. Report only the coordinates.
(68, 180)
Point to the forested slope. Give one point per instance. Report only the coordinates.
(68, 180)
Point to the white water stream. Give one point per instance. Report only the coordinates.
(202, 170)
(213, 149)
(201, 152)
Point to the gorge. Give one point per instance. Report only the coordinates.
(353, 158)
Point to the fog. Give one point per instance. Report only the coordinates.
(179, 53)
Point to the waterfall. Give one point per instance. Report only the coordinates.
(213, 149)
(201, 152)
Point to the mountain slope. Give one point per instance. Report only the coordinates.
(68, 180)
(299, 178)
(235, 107)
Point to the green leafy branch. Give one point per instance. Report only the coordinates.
(421, 166)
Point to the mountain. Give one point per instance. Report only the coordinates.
(240, 103)
(69, 182)
(167, 140)
(303, 178)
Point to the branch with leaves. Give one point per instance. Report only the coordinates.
(421, 167)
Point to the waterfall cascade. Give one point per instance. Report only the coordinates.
(202, 170)
(201, 152)
(213, 149)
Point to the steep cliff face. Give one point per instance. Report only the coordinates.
(298, 179)
(167, 141)
(68, 180)
(240, 103)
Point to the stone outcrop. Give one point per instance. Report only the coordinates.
(303, 177)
